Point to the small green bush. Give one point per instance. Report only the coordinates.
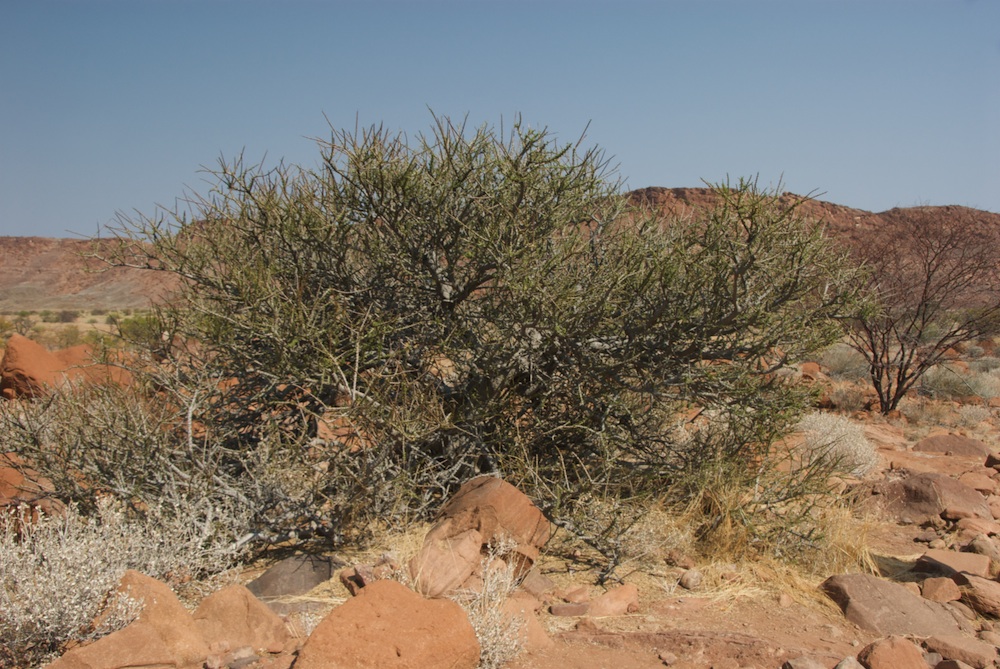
(67, 336)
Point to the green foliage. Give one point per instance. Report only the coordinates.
(478, 302)
(24, 324)
(144, 330)
(67, 336)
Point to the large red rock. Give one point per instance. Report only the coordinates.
(234, 617)
(164, 612)
(448, 558)
(138, 645)
(919, 497)
(894, 652)
(941, 590)
(485, 511)
(982, 594)
(938, 560)
(28, 368)
(499, 510)
(884, 607)
(388, 626)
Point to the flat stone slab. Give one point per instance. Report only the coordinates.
(886, 608)
(919, 497)
(953, 444)
(296, 575)
(973, 652)
(947, 562)
(982, 594)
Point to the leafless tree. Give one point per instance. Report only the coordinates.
(934, 273)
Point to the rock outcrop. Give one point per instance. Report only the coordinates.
(389, 626)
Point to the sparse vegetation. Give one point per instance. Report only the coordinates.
(24, 323)
(500, 633)
(844, 362)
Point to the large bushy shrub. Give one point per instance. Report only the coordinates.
(478, 301)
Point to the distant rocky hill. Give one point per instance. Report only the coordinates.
(39, 273)
(842, 223)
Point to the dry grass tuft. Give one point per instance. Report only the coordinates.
(500, 634)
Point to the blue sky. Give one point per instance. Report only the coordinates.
(116, 105)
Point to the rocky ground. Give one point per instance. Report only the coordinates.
(932, 601)
(928, 525)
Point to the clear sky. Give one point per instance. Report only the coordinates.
(116, 105)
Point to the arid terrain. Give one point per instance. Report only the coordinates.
(39, 273)
(698, 611)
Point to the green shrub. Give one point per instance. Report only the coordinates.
(67, 336)
(24, 324)
(476, 302)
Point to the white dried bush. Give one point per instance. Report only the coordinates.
(973, 414)
(58, 572)
(838, 439)
(500, 635)
(986, 385)
(944, 382)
